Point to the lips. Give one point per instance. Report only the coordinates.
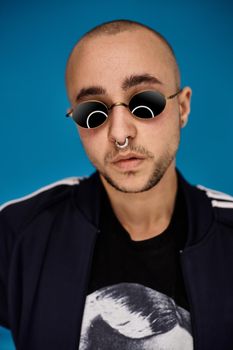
(126, 156)
(128, 161)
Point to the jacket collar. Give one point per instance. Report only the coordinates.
(87, 197)
(200, 214)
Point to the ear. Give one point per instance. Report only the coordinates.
(184, 105)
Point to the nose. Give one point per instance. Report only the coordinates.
(121, 124)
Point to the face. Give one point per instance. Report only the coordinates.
(111, 69)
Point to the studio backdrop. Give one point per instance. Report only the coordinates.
(39, 145)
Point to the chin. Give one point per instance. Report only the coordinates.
(131, 184)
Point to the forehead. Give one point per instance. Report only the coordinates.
(107, 59)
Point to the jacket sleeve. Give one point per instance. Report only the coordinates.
(14, 215)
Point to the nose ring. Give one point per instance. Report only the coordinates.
(122, 145)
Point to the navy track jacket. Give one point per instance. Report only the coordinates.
(46, 246)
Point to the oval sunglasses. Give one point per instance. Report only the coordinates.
(143, 105)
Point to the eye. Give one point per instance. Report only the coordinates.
(90, 114)
(147, 104)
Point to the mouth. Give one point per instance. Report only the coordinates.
(128, 162)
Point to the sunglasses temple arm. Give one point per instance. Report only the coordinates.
(68, 114)
(174, 95)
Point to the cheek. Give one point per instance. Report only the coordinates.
(92, 141)
(162, 131)
(169, 122)
(86, 135)
(154, 128)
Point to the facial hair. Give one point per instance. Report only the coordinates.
(159, 168)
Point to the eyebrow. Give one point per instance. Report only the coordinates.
(129, 82)
(90, 91)
(134, 80)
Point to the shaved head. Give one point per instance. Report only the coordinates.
(113, 28)
(118, 26)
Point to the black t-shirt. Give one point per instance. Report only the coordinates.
(136, 295)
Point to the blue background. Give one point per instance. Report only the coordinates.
(39, 145)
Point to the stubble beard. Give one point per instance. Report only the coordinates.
(159, 168)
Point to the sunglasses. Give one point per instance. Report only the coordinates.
(143, 105)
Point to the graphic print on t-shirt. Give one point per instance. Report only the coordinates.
(130, 316)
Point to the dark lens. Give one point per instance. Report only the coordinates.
(90, 114)
(147, 104)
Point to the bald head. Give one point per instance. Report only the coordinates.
(114, 28)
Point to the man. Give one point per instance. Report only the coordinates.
(132, 257)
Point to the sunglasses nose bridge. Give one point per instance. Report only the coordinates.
(118, 104)
(120, 125)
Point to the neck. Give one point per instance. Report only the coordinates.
(147, 214)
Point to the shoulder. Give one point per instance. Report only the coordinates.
(222, 203)
(42, 192)
(18, 210)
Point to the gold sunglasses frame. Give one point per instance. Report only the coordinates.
(69, 113)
